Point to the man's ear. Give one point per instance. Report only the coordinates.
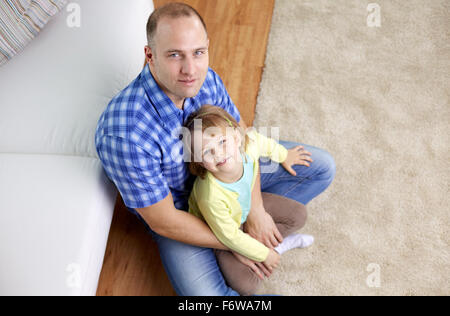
(149, 55)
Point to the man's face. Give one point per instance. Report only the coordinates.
(179, 61)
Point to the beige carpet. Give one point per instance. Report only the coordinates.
(378, 100)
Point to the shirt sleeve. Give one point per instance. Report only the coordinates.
(222, 97)
(136, 174)
(217, 215)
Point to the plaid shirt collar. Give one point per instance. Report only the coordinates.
(170, 115)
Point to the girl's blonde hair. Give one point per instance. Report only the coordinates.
(211, 116)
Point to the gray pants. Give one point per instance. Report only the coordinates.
(288, 215)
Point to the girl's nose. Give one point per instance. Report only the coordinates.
(219, 157)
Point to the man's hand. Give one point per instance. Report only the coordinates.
(258, 267)
(262, 227)
(296, 156)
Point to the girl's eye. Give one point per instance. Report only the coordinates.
(207, 152)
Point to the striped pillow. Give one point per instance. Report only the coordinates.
(21, 21)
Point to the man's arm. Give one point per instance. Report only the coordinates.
(164, 219)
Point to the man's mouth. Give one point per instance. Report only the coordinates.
(188, 82)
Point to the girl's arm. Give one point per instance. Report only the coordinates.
(217, 214)
(268, 147)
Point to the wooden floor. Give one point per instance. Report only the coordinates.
(238, 32)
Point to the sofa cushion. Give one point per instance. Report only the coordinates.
(54, 223)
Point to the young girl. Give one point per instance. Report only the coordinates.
(226, 162)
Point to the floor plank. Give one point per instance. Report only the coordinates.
(238, 31)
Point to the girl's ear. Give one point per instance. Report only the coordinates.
(239, 139)
(238, 136)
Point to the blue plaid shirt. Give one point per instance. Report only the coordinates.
(137, 139)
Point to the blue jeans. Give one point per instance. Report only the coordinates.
(193, 271)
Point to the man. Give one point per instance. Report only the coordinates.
(138, 144)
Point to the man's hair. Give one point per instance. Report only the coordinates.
(172, 10)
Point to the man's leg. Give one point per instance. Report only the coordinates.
(309, 182)
(192, 271)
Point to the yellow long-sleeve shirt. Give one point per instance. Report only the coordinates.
(220, 207)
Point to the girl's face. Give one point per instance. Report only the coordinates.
(220, 152)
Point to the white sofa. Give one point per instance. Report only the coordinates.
(56, 204)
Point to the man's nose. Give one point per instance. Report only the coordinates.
(188, 67)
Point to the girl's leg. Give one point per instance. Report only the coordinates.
(239, 276)
(288, 215)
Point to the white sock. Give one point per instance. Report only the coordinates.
(294, 241)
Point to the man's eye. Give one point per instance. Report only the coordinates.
(174, 55)
(200, 52)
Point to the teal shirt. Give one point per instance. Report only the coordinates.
(243, 187)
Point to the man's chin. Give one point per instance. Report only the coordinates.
(190, 93)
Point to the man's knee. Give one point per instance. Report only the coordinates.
(329, 165)
(324, 165)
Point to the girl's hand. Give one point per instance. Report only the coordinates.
(258, 267)
(260, 225)
(272, 261)
(296, 156)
